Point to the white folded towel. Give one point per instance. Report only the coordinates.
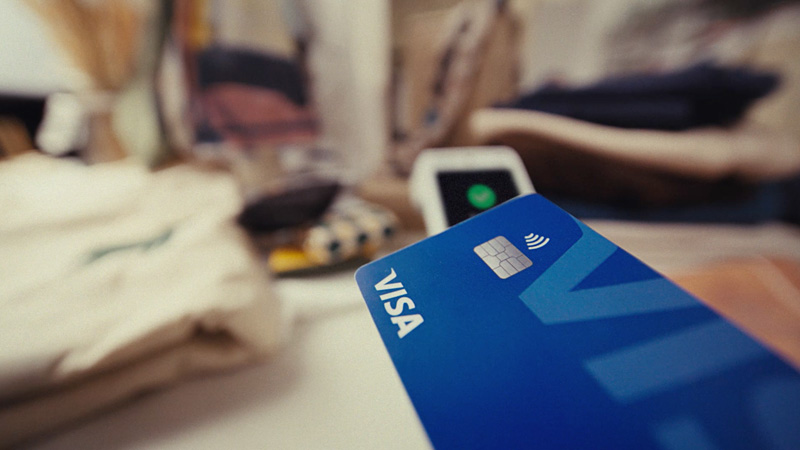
(115, 280)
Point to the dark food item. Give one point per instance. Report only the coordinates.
(290, 208)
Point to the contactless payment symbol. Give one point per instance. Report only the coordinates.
(502, 257)
(535, 242)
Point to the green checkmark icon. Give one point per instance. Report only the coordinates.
(481, 196)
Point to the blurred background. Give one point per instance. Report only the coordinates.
(186, 184)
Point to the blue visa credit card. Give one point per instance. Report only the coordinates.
(524, 328)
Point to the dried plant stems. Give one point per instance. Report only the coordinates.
(101, 38)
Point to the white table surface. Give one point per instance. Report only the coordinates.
(332, 386)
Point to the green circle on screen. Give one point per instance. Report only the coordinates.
(481, 196)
